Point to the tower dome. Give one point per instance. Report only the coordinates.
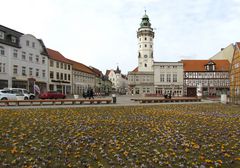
(145, 21)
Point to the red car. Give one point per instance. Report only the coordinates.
(52, 95)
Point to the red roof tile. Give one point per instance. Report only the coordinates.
(199, 65)
(135, 70)
(96, 71)
(55, 55)
(107, 72)
(80, 67)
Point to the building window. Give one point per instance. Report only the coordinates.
(145, 65)
(51, 74)
(43, 60)
(43, 73)
(51, 63)
(69, 77)
(15, 69)
(37, 59)
(162, 77)
(168, 77)
(27, 43)
(13, 39)
(2, 67)
(1, 35)
(57, 64)
(161, 67)
(23, 55)
(2, 51)
(174, 77)
(65, 66)
(145, 38)
(15, 53)
(65, 76)
(61, 65)
(61, 76)
(145, 45)
(33, 45)
(24, 71)
(31, 57)
(37, 72)
(69, 67)
(57, 75)
(30, 71)
(151, 46)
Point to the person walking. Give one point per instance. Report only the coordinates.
(91, 93)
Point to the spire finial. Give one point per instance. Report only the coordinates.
(145, 10)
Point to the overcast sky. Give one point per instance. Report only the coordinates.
(102, 33)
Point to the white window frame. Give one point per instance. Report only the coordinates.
(2, 35)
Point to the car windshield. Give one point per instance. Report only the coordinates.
(26, 92)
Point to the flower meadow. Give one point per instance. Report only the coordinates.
(197, 135)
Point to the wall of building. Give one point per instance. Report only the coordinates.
(168, 78)
(29, 63)
(235, 77)
(60, 84)
(225, 53)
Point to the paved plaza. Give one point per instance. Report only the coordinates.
(122, 100)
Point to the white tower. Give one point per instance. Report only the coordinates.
(145, 37)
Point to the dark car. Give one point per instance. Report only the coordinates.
(52, 95)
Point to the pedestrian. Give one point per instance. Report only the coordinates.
(91, 93)
(84, 94)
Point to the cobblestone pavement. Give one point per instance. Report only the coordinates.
(122, 100)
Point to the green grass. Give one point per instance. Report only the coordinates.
(151, 136)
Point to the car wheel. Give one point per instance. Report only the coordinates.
(4, 98)
(25, 98)
(32, 97)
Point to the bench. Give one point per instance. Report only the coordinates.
(163, 100)
(53, 102)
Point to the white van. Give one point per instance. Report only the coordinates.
(5, 95)
(21, 92)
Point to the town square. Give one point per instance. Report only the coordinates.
(132, 84)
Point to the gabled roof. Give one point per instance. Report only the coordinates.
(108, 72)
(57, 56)
(80, 67)
(135, 70)
(96, 71)
(199, 65)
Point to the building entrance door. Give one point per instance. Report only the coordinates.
(191, 92)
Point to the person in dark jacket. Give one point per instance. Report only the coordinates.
(91, 94)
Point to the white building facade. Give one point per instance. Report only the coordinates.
(153, 77)
(119, 81)
(168, 78)
(24, 60)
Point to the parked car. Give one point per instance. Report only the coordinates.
(52, 95)
(27, 95)
(6, 95)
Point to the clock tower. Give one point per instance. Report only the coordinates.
(145, 37)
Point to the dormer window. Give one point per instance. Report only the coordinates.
(13, 39)
(27, 43)
(1, 35)
(211, 66)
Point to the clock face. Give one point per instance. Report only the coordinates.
(145, 56)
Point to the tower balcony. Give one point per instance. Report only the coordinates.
(145, 33)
